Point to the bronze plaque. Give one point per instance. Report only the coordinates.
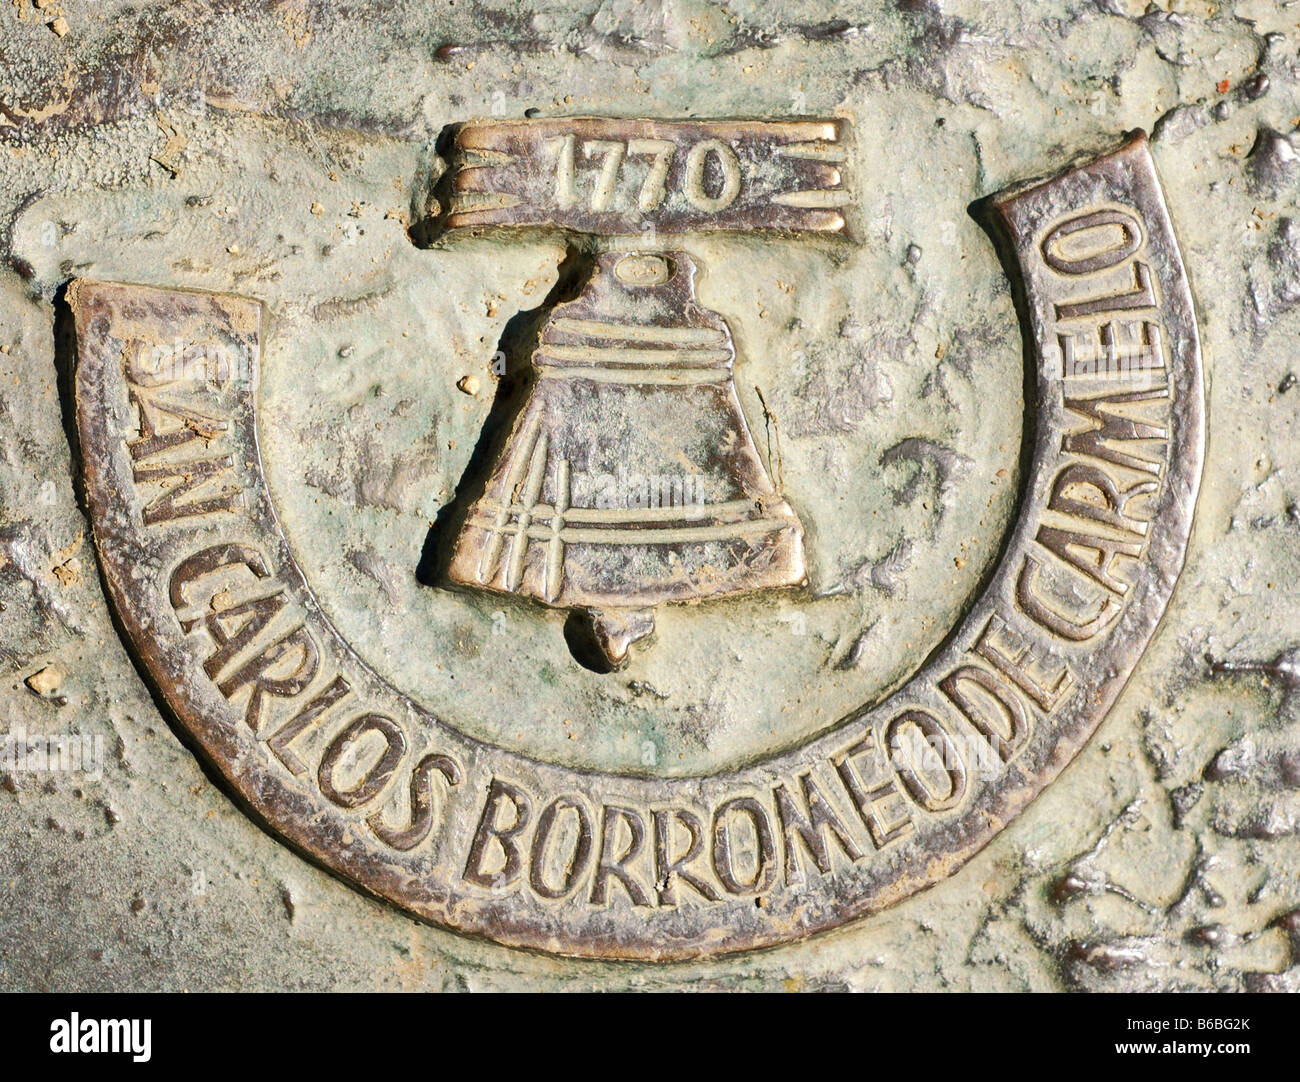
(626, 476)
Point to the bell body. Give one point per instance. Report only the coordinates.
(630, 477)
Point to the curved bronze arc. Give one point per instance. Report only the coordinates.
(271, 757)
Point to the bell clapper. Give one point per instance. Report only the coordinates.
(618, 629)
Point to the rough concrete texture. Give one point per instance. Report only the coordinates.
(282, 150)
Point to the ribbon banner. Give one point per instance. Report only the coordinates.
(635, 177)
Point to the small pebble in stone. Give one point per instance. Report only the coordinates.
(46, 681)
(468, 384)
(913, 254)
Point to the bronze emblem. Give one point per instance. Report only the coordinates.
(614, 385)
(635, 370)
(635, 375)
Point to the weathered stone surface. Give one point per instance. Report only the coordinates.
(230, 150)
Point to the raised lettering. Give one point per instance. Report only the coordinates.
(1110, 508)
(728, 165)
(724, 850)
(993, 709)
(235, 626)
(578, 857)
(1142, 295)
(1098, 555)
(1015, 659)
(489, 830)
(279, 741)
(255, 674)
(377, 776)
(935, 780)
(211, 561)
(1051, 617)
(872, 799)
(1109, 425)
(612, 866)
(1078, 257)
(421, 801)
(670, 870)
(810, 825)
